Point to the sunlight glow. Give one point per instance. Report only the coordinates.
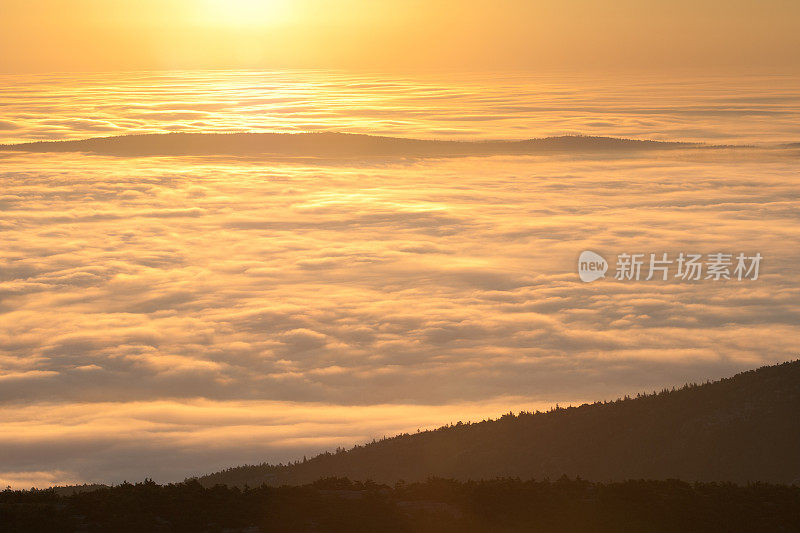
(244, 13)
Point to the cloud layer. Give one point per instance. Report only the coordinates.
(716, 109)
(170, 316)
(203, 291)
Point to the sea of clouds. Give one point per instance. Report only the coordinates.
(171, 316)
(168, 316)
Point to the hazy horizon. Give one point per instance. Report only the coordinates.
(709, 108)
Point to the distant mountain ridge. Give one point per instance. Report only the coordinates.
(740, 429)
(332, 145)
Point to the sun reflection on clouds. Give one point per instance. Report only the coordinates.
(714, 109)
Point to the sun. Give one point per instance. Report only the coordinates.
(241, 13)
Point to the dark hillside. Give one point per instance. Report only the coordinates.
(740, 429)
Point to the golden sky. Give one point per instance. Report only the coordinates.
(59, 35)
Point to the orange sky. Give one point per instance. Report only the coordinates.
(59, 35)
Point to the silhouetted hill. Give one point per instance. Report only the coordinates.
(740, 429)
(437, 506)
(329, 145)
